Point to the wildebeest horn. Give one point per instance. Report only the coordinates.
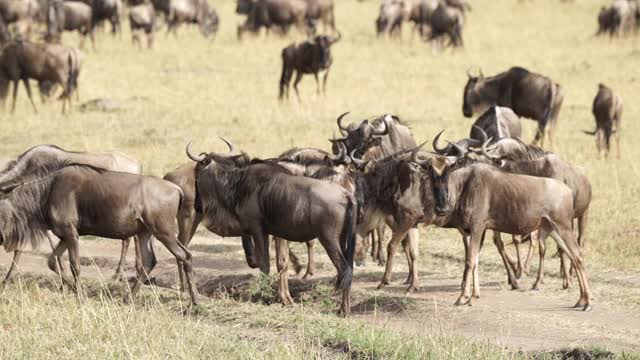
(414, 155)
(480, 72)
(486, 153)
(434, 144)
(339, 121)
(589, 132)
(191, 156)
(382, 132)
(469, 73)
(483, 134)
(336, 39)
(359, 162)
(232, 148)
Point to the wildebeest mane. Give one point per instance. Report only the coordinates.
(526, 153)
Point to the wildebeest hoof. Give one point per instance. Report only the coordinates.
(382, 284)
(461, 301)
(586, 308)
(535, 288)
(381, 262)
(515, 286)
(412, 289)
(308, 275)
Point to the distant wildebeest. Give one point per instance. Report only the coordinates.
(308, 57)
(107, 10)
(478, 197)
(281, 14)
(39, 161)
(497, 123)
(448, 21)
(142, 18)
(48, 88)
(391, 16)
(420, 12)
(24, 60)
(20, 12)
(162, 7)
(81, 200)
(384, 136)
(193, 12)
(607, 110)
(322, 10)
(69, 16)
(264, 199)
(608, 21)
(528, 94)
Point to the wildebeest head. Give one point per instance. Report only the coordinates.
(325, 42)
(225, 160)
(360, 137)
(476, 98)
(438, 168)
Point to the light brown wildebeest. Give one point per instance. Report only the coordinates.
(607, 110)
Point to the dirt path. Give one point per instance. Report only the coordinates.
(526, 320)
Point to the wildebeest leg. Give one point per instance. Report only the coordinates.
(296, 82)
(471, 261)
(380, 230)
(324, 81)
(14, 264)
(540, 134)
(565, 265)
(74, 260)
(412, 256)
(170, 241)
(315, 76)
(511, 280)
(282, 264)
(54, 262)
(332, 246)
(188, 221)
(542, 248)
(516, 243)
(260, 240)
(145, 261)
(295, 261)
(527, 263)
(566, 241)
(15, 95)
(397, 236)
(28, 87)
(311, 262)
(123, 258)
(407, 253)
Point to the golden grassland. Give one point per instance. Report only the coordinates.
(191, 88)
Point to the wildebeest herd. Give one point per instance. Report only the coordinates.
(375, 177)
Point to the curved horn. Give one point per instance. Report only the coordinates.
(191, 156)
(382, 132)
(414, 155)
(339, 121)
(469, 73)
(336, 39)
(434, 144)
(483, 134)
(484, 151)
(342, 156)
(359, 162)
(232, 148)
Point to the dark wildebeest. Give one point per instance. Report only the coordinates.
(607, 110)
(391, 16)
(308, 57)
(269, 13)
(162, 7)
(533, 161)
(448, 21)
(193, 12)
(81, 200)
(69, 16)
(496, 123)
(528, 94)
(263, 199)
(107, 10)
(608, 21)
(142, 18)
(383, 137)
(41, 160)
(24, 60)
(478, 197)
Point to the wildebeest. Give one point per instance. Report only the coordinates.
(322, 10)
(308, 57)
(448, 21)
(193, 12)
(496, 123)
(107, 10)
(263, 199)
(281, 14)
(607, 110)
(69, 16)
(24, 60)
(47, 88)
(142, 18)
(608, 21)
(478, 197)
(19, 11)
(528, 94)
(80, 200)
(39, 161)
(162, 7)
(392, 14)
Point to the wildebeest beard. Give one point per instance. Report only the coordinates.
(29, 167)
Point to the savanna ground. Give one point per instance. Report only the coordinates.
(189, 88)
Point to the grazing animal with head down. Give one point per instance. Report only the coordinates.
(448, 21)
(264, 199)
(392, 15)
(142, 18)
(528, 94)
(607, 110)
(308, 57)
(281, 14)
(496, 123)
(69, 16)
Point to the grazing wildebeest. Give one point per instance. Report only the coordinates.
(47, 88)
(193, 12)
(478, 197)
(533, 161)
(608, 21)
(107, 10)
(24, 60)
(41, 160)
(269, 13)
(263, 199)
(392, 14)
(142, 18)
(528, 94)
(496, 123)
(80, 200)
(321, 10)
(69, 16)
(383, 137)
(448, 21)
(607, 110)
(308, 57)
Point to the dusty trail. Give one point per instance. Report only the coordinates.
(526, 320)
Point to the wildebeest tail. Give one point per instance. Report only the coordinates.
(348, 244)
(71, 76)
